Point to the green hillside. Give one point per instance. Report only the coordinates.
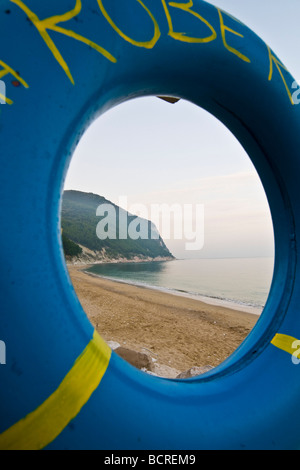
(70, 248)
(79, 223)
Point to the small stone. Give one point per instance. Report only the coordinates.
(194, 372)
(113, 345)
(136, 359)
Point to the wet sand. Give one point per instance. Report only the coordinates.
(177, 332)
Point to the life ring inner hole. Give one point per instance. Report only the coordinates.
(239, 184)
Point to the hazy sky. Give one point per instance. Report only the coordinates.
(179, 154)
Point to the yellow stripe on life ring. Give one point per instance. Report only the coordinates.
(286, 343)
(39, 428)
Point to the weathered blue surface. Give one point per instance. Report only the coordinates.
(58, 85)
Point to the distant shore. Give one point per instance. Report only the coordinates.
(179, 332)
(89, 258)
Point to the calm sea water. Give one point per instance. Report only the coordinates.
(243, 284)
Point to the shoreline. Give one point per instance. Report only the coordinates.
(230, 304)
(177, 331)
(89, 259)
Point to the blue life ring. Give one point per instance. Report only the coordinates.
(63, 63)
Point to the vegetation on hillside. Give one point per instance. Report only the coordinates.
(70, 248)
(79, 223)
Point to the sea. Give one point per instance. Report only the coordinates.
(239, 283)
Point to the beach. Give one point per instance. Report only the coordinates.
(177, 332)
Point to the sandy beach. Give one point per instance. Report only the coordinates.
(175, 331)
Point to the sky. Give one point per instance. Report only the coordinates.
(189, 158)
